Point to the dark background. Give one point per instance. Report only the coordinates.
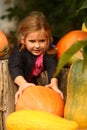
(62, 15)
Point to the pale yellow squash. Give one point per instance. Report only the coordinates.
(38, 120)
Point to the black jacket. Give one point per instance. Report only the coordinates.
(22, 62)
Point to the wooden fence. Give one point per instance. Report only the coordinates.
(7, 92)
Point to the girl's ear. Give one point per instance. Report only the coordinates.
(22, 41)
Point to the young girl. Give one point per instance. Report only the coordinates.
(30, 56)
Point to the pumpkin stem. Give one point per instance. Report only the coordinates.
(69, 53)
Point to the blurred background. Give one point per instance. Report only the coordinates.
(62, 15)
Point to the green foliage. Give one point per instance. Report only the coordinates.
(70, 52)
(84, 6)
(83, 9)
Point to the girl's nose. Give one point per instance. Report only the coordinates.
(37, 44)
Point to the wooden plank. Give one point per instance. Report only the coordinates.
(1, 89)
(7, 93)
(63, 81)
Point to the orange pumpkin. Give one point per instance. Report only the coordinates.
(67, 40)
(41, 98)
(3, 44)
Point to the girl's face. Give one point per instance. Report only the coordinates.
(36, 42)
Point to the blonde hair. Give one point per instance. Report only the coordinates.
(35, 21)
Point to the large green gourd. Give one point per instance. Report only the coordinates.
(76, 98)
(76, 101)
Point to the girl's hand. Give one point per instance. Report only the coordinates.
(55, 88)
(21, 89)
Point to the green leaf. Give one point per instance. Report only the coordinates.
(84, 6)
(68, 54)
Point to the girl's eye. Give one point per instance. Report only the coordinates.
(32, 41)
(42, 40)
